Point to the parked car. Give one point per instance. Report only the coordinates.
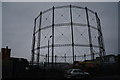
(75, 73)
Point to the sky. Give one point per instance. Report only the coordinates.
(17, 22)
(0, 24)
(59, 0)
(119, 28)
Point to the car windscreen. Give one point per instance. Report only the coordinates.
(80, 70)
(68, 71)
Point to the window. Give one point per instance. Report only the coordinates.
(75, 71)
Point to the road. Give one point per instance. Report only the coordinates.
(111, 77)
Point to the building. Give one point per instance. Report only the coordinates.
(12, 67)
(107, 59)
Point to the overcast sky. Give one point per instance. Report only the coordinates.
(119, 29)
(18, 24)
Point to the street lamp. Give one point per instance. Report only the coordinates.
(48, 48)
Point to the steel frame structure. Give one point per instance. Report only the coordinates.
(71, 24)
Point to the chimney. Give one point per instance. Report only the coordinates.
(6, 53)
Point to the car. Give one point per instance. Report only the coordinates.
(76, 74)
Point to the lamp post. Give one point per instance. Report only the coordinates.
(48, 48)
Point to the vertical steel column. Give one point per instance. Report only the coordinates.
(53, 37)
(33, 43)
(75, 57)
(72, 33)
(39, 35)
(48, 47)
(89, 33)
(48, 51)
(65, 57)
(100, 38)
(55, 58)
(46, 58)
(84, 57)
(99, 35)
